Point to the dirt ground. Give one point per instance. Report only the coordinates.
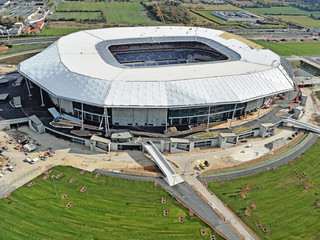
(7, 68)
(15, 60)
(66, 153)
(288, 39)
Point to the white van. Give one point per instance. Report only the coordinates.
(27, 160)
(33, 161)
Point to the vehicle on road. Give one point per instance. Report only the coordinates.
(1, 175)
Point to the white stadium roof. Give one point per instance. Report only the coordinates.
(73, 68)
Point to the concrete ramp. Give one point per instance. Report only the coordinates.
(171, 177)
(306, 126)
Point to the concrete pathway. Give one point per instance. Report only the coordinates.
(243, 230)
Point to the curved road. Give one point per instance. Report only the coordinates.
(310, 139)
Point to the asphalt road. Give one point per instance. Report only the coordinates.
(265, 167)
(28, 40)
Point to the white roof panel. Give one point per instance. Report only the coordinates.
(72, 68)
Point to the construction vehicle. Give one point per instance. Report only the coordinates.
(202, 165)
(298, 97)
(266, 106)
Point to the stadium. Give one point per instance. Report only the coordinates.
(157, 77)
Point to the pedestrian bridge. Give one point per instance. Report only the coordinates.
(171, 177)
(306, 126)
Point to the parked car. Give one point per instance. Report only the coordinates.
(1, 175)
(11, 169)
(198, 167)
(33, 161)
(27, 160)
(206, 163)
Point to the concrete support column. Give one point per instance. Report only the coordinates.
(167, 121)
(41, 95)
(208, 122)
(107, 127)
(234, 111)
(30, 95)
(30, 84)
(259, 113)
(82, 128)
(58, 99)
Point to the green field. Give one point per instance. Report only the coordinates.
(292, 48)
(77, 16)
(303, 20)
(284, 206)
(283, 10)
(110, 208)
(132, 13)
(59, 32)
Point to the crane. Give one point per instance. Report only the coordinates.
(298, 94)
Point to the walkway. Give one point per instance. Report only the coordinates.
(304, 125)
(171, 177)
(219, 206)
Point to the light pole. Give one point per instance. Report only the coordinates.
(265, 177)
(54, 184)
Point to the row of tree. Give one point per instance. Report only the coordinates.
(170, 12)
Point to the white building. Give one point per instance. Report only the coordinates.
(157, 76)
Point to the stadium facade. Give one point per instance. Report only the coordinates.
(157, 76)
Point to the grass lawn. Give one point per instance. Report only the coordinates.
(284, 206)
(292, 48)
(115, 12)
(207, 135)
(303, 20)
(78, 16)
(283, 10)
(318, 94)
(110, 208)
(30, 46)
(59, 32)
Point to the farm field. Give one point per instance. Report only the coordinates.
(292, 48)
(77, 16)
(132, 13)
(283, 11)
(110, 208)
(303, 20)
(285, 205)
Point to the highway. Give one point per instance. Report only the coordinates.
(28, 40)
